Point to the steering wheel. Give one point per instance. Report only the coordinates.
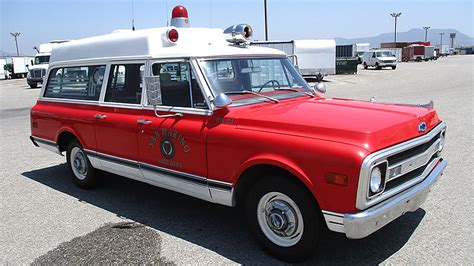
(273, 82)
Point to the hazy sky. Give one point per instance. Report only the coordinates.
(44, 20)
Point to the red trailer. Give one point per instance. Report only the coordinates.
(413, 52)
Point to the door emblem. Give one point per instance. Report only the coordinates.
(422, 127)
(167, 148)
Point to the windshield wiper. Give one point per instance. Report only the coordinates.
(254, 93)
(291, 89)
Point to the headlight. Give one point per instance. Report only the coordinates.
(375, 180)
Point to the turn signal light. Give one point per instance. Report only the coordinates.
(336, 179)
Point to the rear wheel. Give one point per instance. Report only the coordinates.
(283, 217)
(83, 172)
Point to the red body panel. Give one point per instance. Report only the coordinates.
(53, 118)
(308, 137)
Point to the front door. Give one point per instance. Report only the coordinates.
(116, 121)
(172, 149)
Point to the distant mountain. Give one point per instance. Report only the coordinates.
(7, 54)
(413, 35)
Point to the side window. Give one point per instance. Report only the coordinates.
(179, 86)
(80, 83)
(125, 83)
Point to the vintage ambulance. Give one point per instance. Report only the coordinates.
(201, 112)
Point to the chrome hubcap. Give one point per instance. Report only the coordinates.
(79, 163)
(280, 219)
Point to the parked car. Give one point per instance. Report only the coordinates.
(379, 59)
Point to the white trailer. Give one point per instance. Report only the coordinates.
(360, 49)
(444, 50)
(310, 56)
(3, 62)
(429, 53)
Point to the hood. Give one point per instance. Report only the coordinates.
(386, 58)
(372, 126)
(40, 66)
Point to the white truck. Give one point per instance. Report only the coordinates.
(38, 70)
(17, 66)
(312, 57)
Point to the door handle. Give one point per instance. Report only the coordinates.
(144, 121)
(100, 116)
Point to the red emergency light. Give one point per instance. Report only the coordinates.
(179, 17)
(179, 12)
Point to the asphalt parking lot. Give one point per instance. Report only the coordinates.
(45, 219)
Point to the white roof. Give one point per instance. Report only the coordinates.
(315, 46)
(152, 43)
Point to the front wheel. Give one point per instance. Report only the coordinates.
(394, 67)
(81, 167)
(283, 217)
(365, 65)
(377, 66)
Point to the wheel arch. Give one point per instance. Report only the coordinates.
(64, 137)
(254, 170)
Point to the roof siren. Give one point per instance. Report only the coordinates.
(239, 34)
(179, 17)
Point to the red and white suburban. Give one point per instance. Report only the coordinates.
(200, 112)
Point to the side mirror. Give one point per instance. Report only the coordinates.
(222, 101)
(320, 87)
(153, 90)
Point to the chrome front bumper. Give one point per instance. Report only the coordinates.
(362, 224)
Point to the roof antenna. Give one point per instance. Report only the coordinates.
(133, 20)
(166, 13)
(210, 13)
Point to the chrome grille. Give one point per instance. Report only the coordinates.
(37, 73)
(408, 163)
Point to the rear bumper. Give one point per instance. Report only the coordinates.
(362, 224)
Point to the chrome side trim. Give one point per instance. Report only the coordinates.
(63, 100)
(193, 185)
(46, 144)
(361, 224)
(184, 110)
(375, 158)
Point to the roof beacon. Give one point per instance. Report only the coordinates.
(179, 17)
(239, 34)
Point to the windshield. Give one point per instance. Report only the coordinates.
(272, 76)
(384, 54)
(41, 59)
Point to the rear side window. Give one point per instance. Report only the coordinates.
(80, 83)
(125, 83)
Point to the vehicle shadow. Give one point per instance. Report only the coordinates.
(214, 227)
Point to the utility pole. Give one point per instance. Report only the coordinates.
(133, 18)
(395, 15)
(426, 32)
(265, 18)
(15, 35)
(441, 43)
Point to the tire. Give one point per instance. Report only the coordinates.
(289, 202)
(33, 85)
(365, 65)
(377, 66)
(394, 67)
(83, 173)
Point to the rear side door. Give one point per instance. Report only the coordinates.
(172, 148)
(116, 119)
